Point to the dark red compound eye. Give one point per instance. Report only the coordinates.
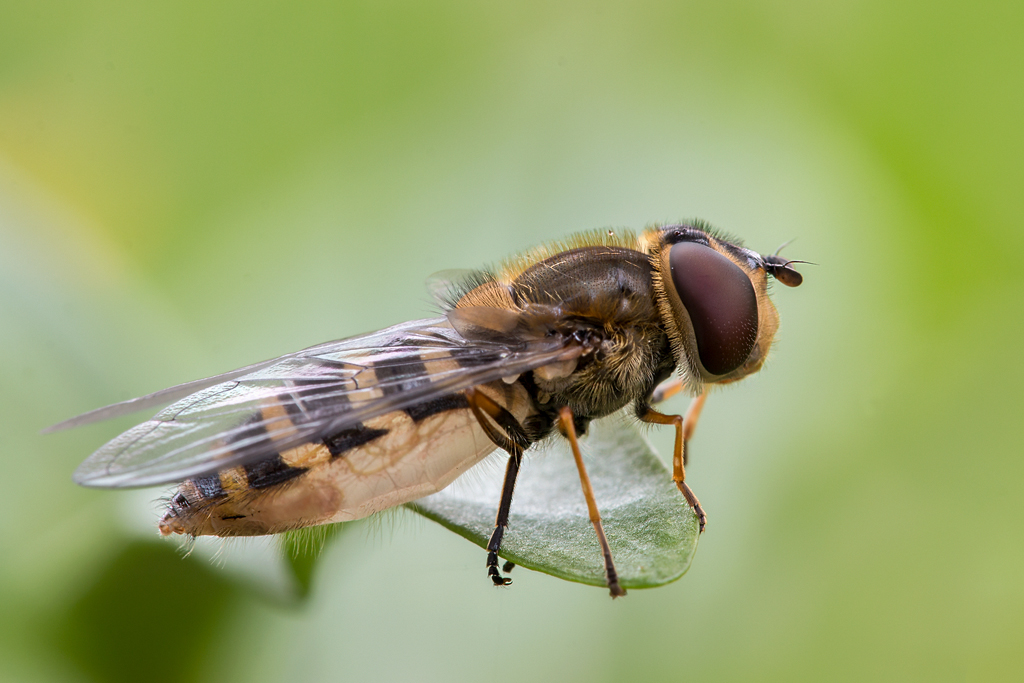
(720, 300)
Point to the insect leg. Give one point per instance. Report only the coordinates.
(514, 443)
(690, 423)
(667, 390)
(567, 427)
(501, 521)
(684, 429)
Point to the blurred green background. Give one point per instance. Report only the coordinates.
(189, 187)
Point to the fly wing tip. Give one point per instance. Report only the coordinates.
(59, 427)
(101, 473)
(97, 480)
(76, 421)
(87, 475)
(95, 473)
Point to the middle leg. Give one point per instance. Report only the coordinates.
(514, 441)
(567, 427)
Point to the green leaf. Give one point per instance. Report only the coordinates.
(302, 549)
(107, 632)
(651, 530)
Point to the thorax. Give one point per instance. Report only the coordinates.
(608, 292)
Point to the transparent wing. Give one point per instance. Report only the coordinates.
(446, 287)
(250, 414)
(171, 394)
(154, 400)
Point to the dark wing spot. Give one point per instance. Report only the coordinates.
(271, 471)
(351, 438)
(394, 378)
(251, 431)
(475, 360)
(314, 396)
(442, 404)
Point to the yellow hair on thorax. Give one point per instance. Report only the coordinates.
(514, 266)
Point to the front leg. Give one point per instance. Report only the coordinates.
(684, 430)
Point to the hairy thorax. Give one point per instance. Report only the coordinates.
(607, 294)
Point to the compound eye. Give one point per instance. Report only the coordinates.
(720, 300)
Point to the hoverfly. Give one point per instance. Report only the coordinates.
(549, 341)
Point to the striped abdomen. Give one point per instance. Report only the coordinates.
(386, 461)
